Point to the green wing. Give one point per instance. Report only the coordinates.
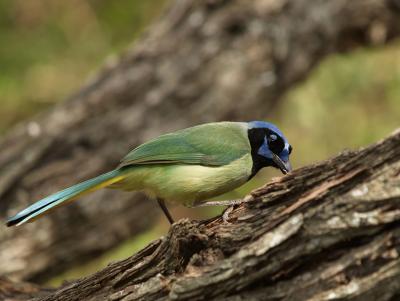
(211, 144)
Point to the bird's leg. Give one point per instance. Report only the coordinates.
(218, 203)
(246, 199)
(165, 210)
(230, 203)
(227, 211)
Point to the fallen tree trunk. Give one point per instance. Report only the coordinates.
(325, 232)
(202, 61)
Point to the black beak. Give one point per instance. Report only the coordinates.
(285, 167)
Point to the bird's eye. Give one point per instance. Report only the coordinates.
(290, 149)
(275, 144)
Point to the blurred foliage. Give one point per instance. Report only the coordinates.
(349, 101)
(49, 47)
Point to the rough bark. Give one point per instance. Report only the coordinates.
(202, 61)
(325, 232)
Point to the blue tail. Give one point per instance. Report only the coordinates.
(40, 207)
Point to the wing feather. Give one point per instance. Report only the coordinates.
(211, 144)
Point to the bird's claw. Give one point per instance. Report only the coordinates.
(225, 215)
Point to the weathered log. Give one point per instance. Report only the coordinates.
(202, 61)
(325, 232)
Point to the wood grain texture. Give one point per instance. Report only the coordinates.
(201, 61)
(325, 232)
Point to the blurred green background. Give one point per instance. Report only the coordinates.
(49, 48)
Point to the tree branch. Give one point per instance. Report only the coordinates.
(323, 232)
(202, 61)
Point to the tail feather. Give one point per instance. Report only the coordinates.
(60, 198)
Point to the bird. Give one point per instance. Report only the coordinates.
(187, 167)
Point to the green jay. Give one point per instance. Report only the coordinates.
(187, 167)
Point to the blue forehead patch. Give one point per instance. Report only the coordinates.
(266, 125)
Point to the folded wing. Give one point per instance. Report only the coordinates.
(212, 144)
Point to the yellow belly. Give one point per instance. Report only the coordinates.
(186, 184)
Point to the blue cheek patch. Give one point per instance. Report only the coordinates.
(267, 153)
(264, 150)
(284, 155)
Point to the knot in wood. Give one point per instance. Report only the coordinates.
(185, 239)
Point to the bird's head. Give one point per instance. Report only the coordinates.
(269, 147)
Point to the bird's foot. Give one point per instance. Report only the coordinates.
(225, 215)
(230, 203)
